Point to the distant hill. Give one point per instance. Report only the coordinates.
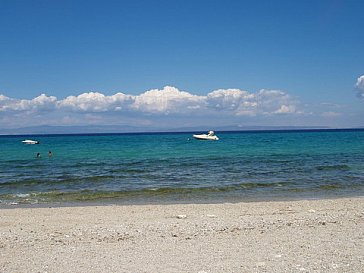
(92, 129)
(68, 130)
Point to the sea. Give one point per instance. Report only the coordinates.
(147, 168)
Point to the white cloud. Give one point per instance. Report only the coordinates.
(360, 87)
(3, 98)
(243, 103)
(38, 104)
(95, 102)
(276, 102)
(236, 101)
(286, 109)
(4, 103)
(168, 100)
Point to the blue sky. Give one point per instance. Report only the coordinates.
(240, 62)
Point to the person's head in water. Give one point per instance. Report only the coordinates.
(38, 155)
(49, 153)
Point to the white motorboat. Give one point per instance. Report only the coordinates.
(29, 141)
(209, 136)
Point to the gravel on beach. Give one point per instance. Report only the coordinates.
(289, 236)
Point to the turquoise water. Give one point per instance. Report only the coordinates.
(175, 167)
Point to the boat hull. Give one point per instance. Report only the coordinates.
(30, 142)
(205, 137)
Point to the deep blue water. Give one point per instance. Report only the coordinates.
(175, 167)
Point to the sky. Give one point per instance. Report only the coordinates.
(173, 64)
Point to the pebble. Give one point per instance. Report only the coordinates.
(260, 264)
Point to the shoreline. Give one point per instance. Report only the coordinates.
(167, 200)
(324, 235)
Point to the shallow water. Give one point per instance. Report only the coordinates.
(175, 167)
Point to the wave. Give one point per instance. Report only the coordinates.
(242, 190)
(90, 195)
(333, 186)
(62, 179)
(333, 168)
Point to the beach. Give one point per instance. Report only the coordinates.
(324, 235)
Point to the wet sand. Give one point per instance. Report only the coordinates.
(290, 236)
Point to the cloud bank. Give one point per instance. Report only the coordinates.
(156, 102)
(181, 108)
(39, 104)
(169, 108)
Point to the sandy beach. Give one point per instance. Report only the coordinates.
(289, 236)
